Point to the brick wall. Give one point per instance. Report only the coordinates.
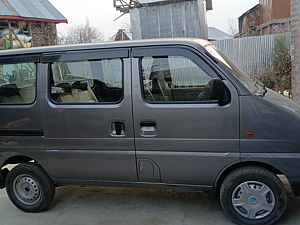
(295, 48)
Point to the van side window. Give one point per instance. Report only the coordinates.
(174, 78)
(17, 83)
(87, 81)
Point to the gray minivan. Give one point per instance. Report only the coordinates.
(164, 113)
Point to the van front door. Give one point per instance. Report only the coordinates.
(182, 137)
(87, 116)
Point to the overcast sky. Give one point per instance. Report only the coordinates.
(101, 14)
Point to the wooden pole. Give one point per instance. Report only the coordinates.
(10, 35)
(30, 32)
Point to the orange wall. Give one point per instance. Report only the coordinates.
(274, 9)
(281, 9)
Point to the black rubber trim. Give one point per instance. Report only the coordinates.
(21, 133)
(26, 58)
(94, 54)
(148, 124)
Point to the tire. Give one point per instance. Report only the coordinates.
(253, 195)
(29, 187)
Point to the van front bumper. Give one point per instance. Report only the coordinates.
(295, 185)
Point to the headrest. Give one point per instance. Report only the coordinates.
(82, 85)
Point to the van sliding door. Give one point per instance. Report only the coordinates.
(87, 116)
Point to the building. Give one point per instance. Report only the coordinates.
(268, 17)
(123, 35)
(31, 19)
(167, 18)
(214, 34)
(273, 17)
(295, 48)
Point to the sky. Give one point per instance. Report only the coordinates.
(101, 14)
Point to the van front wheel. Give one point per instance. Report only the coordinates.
(253, 195)
(29, 187)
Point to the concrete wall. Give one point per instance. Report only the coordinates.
(295, 48)
(181, 19)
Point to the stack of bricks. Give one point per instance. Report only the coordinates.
(295, 48)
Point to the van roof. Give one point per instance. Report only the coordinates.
(192, 42)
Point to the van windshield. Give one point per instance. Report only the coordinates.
(238, 73)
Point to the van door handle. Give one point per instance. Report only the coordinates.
(148, 124)
(148, 128)
(118, 128)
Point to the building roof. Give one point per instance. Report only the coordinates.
(215, 34)
(249, 10)
(123, 35)
(128, 34)
(35, 10)
(158, 2)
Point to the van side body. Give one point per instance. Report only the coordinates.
(147, 113)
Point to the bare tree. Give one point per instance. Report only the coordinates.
(82, 34)
(112, 38)
(125, 25)
(232, 27)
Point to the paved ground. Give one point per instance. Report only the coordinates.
(111, 206)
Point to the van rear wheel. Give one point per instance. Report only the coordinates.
(253, 195)
(29, 187)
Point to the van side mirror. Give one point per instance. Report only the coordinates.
(218, 91)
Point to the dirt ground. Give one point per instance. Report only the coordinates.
(75, 205)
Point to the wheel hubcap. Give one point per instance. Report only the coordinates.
(27, 190)
(253, 200)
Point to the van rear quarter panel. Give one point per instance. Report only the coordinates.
(22, 130)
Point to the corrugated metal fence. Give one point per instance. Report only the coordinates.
(252, 54)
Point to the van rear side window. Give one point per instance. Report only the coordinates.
(17, 83)
(87, 81)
